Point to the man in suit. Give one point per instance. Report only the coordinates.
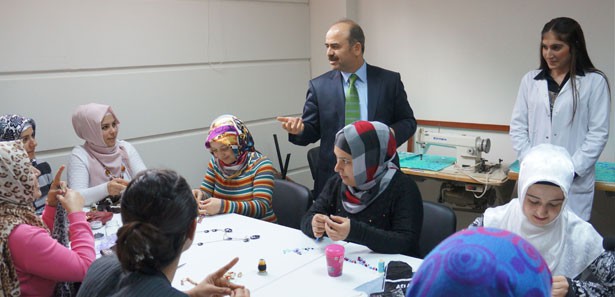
(381, 97)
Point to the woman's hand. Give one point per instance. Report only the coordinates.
(116, 186)
(318, 225)
(216, 284)
(57, 187)
(241, 292)
(198, 195)
(560, 286)
(211, 206)
(72, 201)
(337, 227)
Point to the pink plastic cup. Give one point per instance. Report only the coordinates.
(335, 259)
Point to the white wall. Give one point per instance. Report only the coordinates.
(463, 61)
(167, 67)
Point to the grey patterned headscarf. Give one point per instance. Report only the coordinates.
(11, 126)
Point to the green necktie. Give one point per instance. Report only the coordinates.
(353, 112)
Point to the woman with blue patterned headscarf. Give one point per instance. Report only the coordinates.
(482, 262)
(369, 201)
(239, 179)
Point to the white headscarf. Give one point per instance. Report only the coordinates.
(568, 243)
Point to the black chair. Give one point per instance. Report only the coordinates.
(312, 156)
(290, 202)
(608, 243)
(439, 222)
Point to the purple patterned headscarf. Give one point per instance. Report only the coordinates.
(482, 262)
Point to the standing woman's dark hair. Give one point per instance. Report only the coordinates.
(569, 31)
(158, 209)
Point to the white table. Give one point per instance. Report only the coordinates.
(288, 273)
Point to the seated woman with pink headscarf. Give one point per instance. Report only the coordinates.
(103, 165)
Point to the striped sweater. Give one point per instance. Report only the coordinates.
(248, 194)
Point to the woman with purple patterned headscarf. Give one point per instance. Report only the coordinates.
(239, 179)
(482, 262)
(370, 201)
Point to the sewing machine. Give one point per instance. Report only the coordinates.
(469, 148)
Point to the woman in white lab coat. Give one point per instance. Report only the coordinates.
(566, 102)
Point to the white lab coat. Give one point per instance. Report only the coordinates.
(584, 137)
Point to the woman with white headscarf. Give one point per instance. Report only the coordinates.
(369, 201)
(103, 165)
(541, 215)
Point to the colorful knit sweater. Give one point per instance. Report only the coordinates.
(247, 194)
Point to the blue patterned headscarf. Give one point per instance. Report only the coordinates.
(482, 262)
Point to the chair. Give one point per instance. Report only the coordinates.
(608, 243)
(290, 202)
(439, 222)
(312, 156)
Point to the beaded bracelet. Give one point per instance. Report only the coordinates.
(361, 262)
(298, 251)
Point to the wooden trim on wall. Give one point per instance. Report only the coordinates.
(458, 125)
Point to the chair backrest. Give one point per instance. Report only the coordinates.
(608, 243)
(312, 156)
(439, 222)
(290, 202)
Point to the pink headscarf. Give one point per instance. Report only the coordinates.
(87, 121)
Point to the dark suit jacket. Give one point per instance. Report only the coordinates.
(323, 113)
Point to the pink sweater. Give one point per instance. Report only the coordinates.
(41, 262)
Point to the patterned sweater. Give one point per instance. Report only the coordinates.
(247, 194)
(601, 280)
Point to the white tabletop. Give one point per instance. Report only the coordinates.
(301, 273)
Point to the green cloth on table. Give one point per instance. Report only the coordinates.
(427, 162)
(605, 171)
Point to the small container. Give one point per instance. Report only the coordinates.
(335, 259)
(262, 266)
(96, 225)
(381, 266)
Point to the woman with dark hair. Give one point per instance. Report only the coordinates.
(370, 201)
(565, 102)
(159, 215)
(571, 247)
